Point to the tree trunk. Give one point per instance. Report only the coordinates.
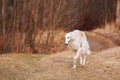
(3, 26)
(3, 16)
(118, 15)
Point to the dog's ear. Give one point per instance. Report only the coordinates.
(81, 44)
(83, 36)
(71, 37)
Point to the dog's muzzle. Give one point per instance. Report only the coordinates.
(66, 44)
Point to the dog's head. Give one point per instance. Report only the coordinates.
(67, 38)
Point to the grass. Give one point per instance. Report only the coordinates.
(100, 66)
(18, 66)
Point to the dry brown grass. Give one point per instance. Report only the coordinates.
(99, 42)
(102, 65)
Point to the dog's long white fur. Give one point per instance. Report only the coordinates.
(77, 41)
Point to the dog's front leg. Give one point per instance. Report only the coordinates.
(76, 57)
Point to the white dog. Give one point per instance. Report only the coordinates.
(77, 41)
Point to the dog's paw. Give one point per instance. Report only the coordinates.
(74, 67)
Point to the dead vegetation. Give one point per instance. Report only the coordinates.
(23, 21)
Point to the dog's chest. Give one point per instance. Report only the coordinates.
(72, 46)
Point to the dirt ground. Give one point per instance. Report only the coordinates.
(102, 64)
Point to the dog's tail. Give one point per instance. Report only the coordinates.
(88, 52)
